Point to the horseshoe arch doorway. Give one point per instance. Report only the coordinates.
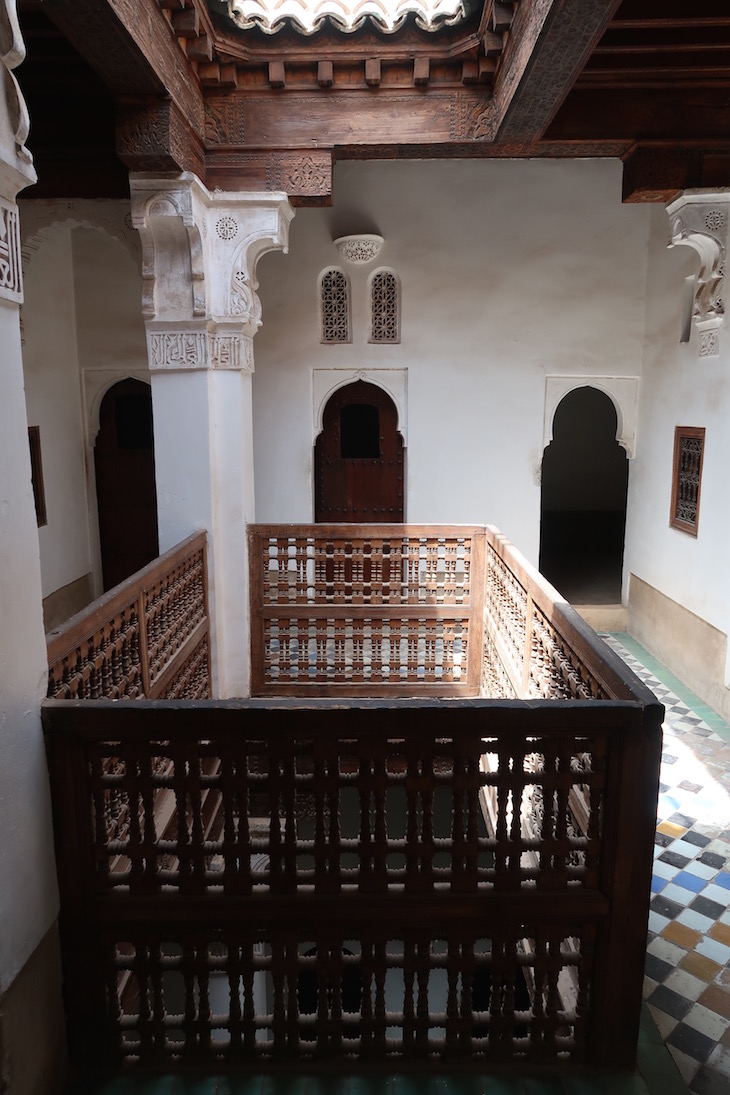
(359, 460)
(585, 475)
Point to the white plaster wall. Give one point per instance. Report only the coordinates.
(28, 895)
(83, 331)
(108, 290)
(510, 271)
(679, 389)
(51, 366)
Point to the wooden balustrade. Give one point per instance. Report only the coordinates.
(148, 637)
(353, 882)
(349, 883)
(535, 644)
(414, 610)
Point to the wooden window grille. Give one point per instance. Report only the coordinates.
(384, 307)
(36, 474)
(335, 305)
(689, 443)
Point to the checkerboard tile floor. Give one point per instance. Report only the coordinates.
(687, 974)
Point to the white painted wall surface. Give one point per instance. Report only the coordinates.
(679, 388)
(83, 332)
(53, 391)
(108, 292)
(510, 271)
(28, 894)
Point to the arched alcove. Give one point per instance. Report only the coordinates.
(359, 458)
(583, 502)
(125, 481)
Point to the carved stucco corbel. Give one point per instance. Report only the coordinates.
(167, 215)
(698, 219)
(12, 53)
(199, 256)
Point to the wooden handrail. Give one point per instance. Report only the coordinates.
(147, 637)
(416, 610)
(350, 832)
(545, 647)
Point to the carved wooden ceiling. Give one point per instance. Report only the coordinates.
(165, 85)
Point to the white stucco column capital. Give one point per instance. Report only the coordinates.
(700, 219)
(200, 249)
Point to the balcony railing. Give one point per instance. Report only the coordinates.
(149, 636)
(413, 610)
(351, 882)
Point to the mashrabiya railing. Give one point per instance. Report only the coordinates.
(148, 637)
(325, 887)
(366, 609)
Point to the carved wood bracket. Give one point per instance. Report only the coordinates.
(699, 219)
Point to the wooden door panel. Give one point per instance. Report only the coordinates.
(359, 459)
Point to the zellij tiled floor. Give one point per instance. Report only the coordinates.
(685, 1038)
(687, 985)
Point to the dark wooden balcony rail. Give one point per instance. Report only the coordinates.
(413, 610)
(341, 882)
(148, 637)
(274, 882)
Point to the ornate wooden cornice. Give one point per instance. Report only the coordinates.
(244, 109)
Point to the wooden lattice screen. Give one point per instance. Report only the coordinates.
(366, 609)
(275, 883)
(414, 610)
(149, 636)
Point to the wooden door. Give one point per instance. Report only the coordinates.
(359, 458)
(125, 481)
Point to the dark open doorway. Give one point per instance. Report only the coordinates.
(583, 507)
(358, 458)
(125, 481)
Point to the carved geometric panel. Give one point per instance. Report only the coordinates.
(689, 443)
(384, 307)
(335, 306)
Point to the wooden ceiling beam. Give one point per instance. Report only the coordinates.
(132, 46)
(548, 46)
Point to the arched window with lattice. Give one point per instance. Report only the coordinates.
(384, 307)
(334, 295)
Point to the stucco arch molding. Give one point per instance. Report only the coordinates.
(325, 382)
(623, 391)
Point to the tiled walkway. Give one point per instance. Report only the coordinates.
(687, 985)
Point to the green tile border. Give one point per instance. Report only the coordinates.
(668, 679)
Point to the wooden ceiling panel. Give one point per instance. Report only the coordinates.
(184, 88)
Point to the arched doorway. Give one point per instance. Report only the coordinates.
(358, 458)
(583, 506)
(125, 481)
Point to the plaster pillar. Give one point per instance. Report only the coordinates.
(28, 892)
(201, 311)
